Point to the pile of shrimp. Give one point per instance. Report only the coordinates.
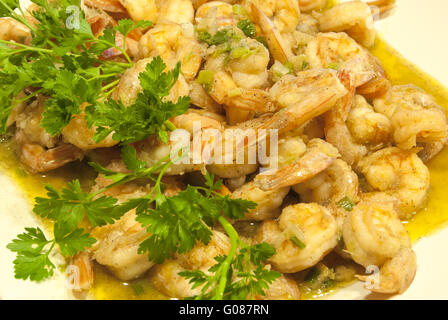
(352, 147)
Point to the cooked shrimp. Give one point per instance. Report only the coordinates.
(331, 186)
(374, 236)
(240, 104)
(78, 134)
(152, 150)
(354, 17)
(318, 157)
(310, 5)
(236, 85)
(177, 11)
(40, 151)
(339, 51)
(117, 247)
(279, 46)
(141, 9)
(302, 98)
(117, 244)
(129, 86)
(366, 126)
(39, 159)
(12, 30)
(268, 202)
(414, 115)
(173, 43)
(400, 174)
(303, 235)
(200, 98)
(308, 24)
(249, 70)
(282, 288)
(166, 278)
(99, 21)
(214, 15)
(113, 6)
(80, 272)
(396, 274)
(283, 13)
(28, 123)
(337, 131)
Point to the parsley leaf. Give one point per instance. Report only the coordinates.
(69, 207)
(148, 115)
(32, 259)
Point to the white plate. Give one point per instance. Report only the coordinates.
(417, 30)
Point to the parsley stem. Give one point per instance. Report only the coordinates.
(124, 53)
(234, 239)
(169, 125)
(110, 85)
(15, 102)
(24, 46)
(108, 93)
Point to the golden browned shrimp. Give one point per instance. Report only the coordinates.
(318, 157)
(283, 13)
(339, 51)
(268, 202)
(302, 236)
(400, 174)
(141, 9)
(337, 131)
(79, 134)
(237, 79)
(302, 98)
(177, 11)
(282, 288)
(310, 5)
(279, 46)
(366, 126)
(117, 244)
(166, 278)
(173, 43)
(39, 159)
(354, 17)
(375, 237)
(129, 85)
(415, 117)
(12, 30)
(40, 151)
(328, 188)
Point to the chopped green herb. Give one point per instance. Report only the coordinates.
(334, 66)
(138, 289)
(297, 242)
(341, 243)
(248, 28)
(205, 78)
(346, 204)
(241, 53)
(305, 65)
(312, 275)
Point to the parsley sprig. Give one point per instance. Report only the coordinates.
(61, 62)
(148, 115)
(179, 222)
(68, 209)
